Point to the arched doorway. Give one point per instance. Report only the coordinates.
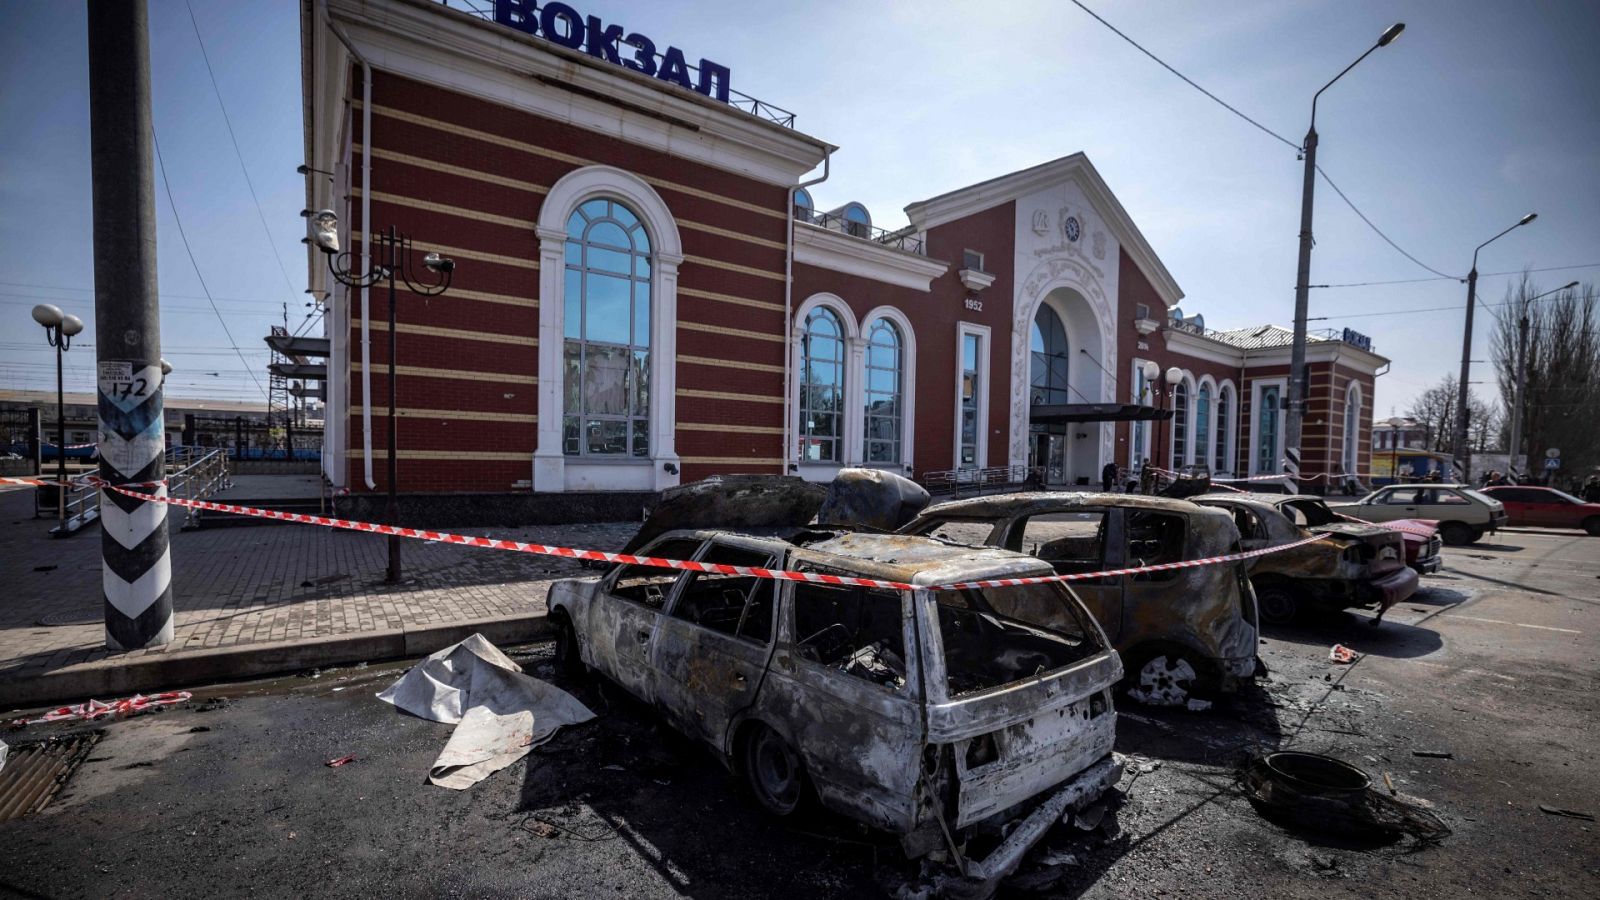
(1064, 371)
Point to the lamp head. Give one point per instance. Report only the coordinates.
(1152, 370)
(1569, 286)
(47, 315)
(325, 230)
(166, 368)
(71, 325)
(1174, 375)
(1391, 34)
(437, 263)
(1528, 218)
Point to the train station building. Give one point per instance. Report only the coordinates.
(649, 287)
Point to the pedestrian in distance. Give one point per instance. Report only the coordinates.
(1108, 477)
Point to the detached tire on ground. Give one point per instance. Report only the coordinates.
(1458, 534)
(772, 770)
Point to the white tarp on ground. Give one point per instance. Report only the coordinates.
(500, 714)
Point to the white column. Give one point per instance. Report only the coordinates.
(855, 400)
(664, 372)
(549, 462)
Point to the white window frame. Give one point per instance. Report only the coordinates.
(908, 383)
(985, 374)
(1199, 453)
(1230, 437)
(1188, 423)
(854, 396)
(1256, 387)
(1141, 427)
(1350, 446)
(553, 470)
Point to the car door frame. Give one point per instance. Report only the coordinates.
(696, 667)
(633, 626)
(1110, 592)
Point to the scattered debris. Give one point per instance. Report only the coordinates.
(94, 710)
(37, 771)
(1389, 783)
(540, 827)
(499, 713)
(1568, 813)
(1198, 705)
(1058, 858)
(49, 568)
(1088, 818)
(1434, 754)
(1343, 655)
(336, 763)
(199, 729)
(5, 750)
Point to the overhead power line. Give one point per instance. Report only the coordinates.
(1481, 275)
(173, 202)
(237, 155)
(1235, 110)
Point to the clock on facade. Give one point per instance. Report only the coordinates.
(1071, 227)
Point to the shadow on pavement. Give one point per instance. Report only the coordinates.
(1395, 640)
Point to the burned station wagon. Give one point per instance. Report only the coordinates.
(938, 716)
(1177, 630)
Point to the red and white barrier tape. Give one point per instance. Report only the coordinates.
(94, 709)
(687, 565)
(1392, 526)
(87, 480)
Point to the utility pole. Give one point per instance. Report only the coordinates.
(1517, 397)
(137, 565)
(1461, 450)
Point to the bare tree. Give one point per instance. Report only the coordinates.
(1435, 410)
(1562, 371)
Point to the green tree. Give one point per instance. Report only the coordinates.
(1563, 371)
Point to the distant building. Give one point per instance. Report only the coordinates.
(1399, 433)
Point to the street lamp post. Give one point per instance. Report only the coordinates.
(1459, 450)
(1302, 283)
(394, 253)
(59, 329)
(1515, 446)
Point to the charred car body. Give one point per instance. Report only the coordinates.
(936, 716)
(1176, 630)
(1354, 565)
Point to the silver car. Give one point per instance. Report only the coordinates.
(937, 716)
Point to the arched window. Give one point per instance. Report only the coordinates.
(1224, 427)
(885, 393)
(1050, 357)
(803, 207)
(822, 387)
(1267, 443)
(857, 220)
(1180, 423)
(1202, 427)
(1352, 426)
(606, 319)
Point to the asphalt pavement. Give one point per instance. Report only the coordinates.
(1494, 663)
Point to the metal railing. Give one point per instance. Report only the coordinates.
(904, 239)
(193, 473)
(981, 481)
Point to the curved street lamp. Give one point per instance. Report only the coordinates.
(1458, 446)
(1302, 283)
(59, 330)
(394, 255)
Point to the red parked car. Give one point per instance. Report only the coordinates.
(1543, 507)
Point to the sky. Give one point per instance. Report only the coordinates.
(1481, 112)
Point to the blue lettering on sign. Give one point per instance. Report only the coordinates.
(559, 23)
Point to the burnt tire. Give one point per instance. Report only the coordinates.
(1458, 534)
(568, 659)
(773, 771)
(1277, 605)
(1592, 525)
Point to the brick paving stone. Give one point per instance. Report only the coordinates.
(267, 583)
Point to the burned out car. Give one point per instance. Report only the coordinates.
(1178, 630)
(965, 721)
(1420, 536)
(1354, 565)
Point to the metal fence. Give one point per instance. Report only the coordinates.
(981, 481)
(251, 439)
(905, 239)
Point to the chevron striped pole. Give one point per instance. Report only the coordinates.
(136, 568)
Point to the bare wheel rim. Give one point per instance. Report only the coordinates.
(1165, 680)
(774, 771)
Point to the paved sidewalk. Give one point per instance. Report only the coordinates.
(258, 599)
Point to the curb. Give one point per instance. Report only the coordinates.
(188, 668)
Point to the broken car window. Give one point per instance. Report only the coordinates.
(650, 585)
(739, 605)
(853, 629)
(967, 532)
(1155, 538)
(1070, 541)
(994, 636)
(1310, 513)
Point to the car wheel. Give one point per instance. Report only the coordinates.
(1592, 525)
(569, 661)
(1163, 676)
(1277, 605)
(773, 771)
(1457, 533)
